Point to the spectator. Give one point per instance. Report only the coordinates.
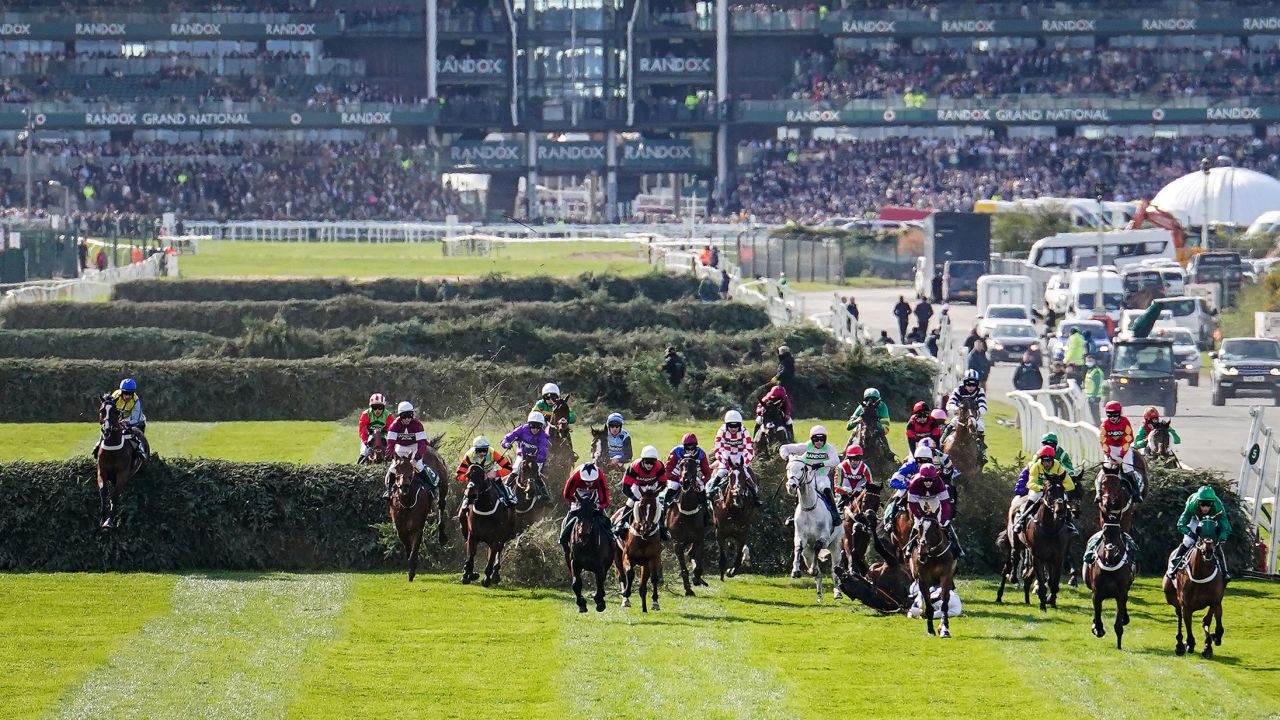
(1050, 321)
(82, 250)
(673, 366)
(979, 361)
(715, 256)
(903, 312)
(708, 290)
(724, 283)
(972, 338)
(884, 338)
(100, 261)
(135, 255)
(1028, 376)
(931, 343)
(785, 375)
(924, 312)
(1094, 388)
(444, 291)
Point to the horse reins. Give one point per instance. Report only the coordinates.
(1123, 556)
(1200, 581)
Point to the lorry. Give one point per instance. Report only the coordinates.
(953, 237)
(1004, 290)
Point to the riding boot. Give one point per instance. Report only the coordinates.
(96, 448)
(388, 479)
(566, 528)
(982, 445)
(462, 508)
(830, 497)
(1221, 557)
(505, 496)
(1179, 553)
(664, 532)
(620, 527)
(955, 541)
(540, 486)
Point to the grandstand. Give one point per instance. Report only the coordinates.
(606, 111)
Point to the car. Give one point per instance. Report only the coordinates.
(1002, 315)
(1007, 341)
(1058, 342)
(1186, 354)
(1246, 366)
(1142, 374)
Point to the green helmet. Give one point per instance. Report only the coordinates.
(1048, 438)
(871, 394)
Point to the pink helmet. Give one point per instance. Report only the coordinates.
(938, 414)
(929, 472)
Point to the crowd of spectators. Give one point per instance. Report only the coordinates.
(808, 180)
(242, 180)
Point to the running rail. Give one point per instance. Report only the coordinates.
(1259, 485)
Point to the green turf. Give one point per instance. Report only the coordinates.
(224, 258)
(375, 646)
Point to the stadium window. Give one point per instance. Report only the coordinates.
(133, 49)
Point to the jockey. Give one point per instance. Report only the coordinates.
(129, 404)
(586, 479)
(1048, 440)
(817, 454)
(923, 455)
(946, 470)
(617, 440)
(919, 425)
(926, 486)
(530, 436)
(970, 390)
(1203, 507)
(1045, 465)
(547, 403)
(778, 401)
(852, 476)
(870, 401)
(409, 438)
(733, 445)
(1117, 444)
(688, 447)
(1149, 419)
(939, 417)
(645, 473)
(495, 464)
(373, 425)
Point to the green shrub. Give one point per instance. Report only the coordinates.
(108, 344)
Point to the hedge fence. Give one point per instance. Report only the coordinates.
(181, 514)
(230, 319)
(659, 287)
(333, 387)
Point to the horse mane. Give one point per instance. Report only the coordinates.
(435, 441)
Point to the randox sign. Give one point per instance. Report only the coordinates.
(676, 66)
(486, 155)
(471, 66)
(167, 30)
(657, 153)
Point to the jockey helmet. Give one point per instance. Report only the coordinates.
(377, 399)
(733, 416)
(550, 389)
(1150, 413)
(480, 443)
(649, 452)
(537, 418)
(853, 451)
(938, 414)
(671, 349)
(927, 442)
(614, 419)
(929, 471)
(971, 376)
(128, 385)
(404, 407)
(784, 350)
(1047, 452)
(920, 407)
(817, 430)
(1114, 408)
(923, 451)
(589, 472)
(871, 394)
(689, 439)
(1049, 439)
(777, 391)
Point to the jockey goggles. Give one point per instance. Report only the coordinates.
(535, 426)
(971, 381)
(818, 438)
(733, 426)
(690, 447)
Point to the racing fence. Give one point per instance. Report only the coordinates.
(94, 286)
(779, 301)
(1258, 485)
(951, 360)
(1062, 411)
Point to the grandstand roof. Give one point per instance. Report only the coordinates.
(1236, 196)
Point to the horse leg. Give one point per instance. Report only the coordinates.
(1042, 584)
(799, 547)
(720, 552)
(1179, 649)
(698, 558)
(644, 587)
(945, 630)
(1207, 653)
(1055, 582)
(104, 503)
(927, 602)
(112, 518)
(600, 574)
(743, 557)
(1097, 629)
(815, 568)
(415, 539)
(1217, 621)
(441, 516)
(657, 580)
(1188, 619)
(469, 565)
(490, 566)
(629, 580)
(835, 582)
(1122, 617)
(577, 589)
(681, 548)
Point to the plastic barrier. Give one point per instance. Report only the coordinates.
(1259, 485)
(94, 286)
(1043, 411)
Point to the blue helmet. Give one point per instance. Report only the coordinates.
(614, 419)
(128, 384)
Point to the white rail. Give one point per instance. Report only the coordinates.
(94, 286)
(1063, 412)
(1259, 484)
(375, 231)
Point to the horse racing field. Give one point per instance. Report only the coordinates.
(226, 645)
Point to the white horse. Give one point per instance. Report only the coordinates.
(817, 538)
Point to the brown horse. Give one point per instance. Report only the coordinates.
(1198, 584)
(1115, 499)
(687, 521)
(773, 430)
(642, 549)
(378, 454)
(886, 585)
(900, 534)
(1110, 576)
(591, 549)
(116, 463)
(869, 433)
(560, 454)
(933, 562)
(962, 442)
(1159, 450)
(487, 521)
(411, 504)
(524, 489)
(732, 514)
(1043, 543)
(859, 527)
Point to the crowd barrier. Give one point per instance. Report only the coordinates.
(93, 286)
(1064, 412)
(387, 231)
(1258, 485)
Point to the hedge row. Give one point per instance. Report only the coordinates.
(191, 513)
(654, 286)
(230, 319)
(332, 388)
(516, 341)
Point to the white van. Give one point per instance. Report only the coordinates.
(1083, 293)
(1004, 290)
(1067, 251)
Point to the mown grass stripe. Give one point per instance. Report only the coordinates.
(231, 647)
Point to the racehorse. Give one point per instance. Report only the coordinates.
(933, 562)
(1199, 583)
(1110, 576)
(642, 548)
(411, 504)
(378, 454)
(493, 526)
(732, 513)
(1159, 450)
(869, 433)
(885, 587)
(773, 431)
(1115, 499)
(560, 454)
(591, 549)
(1043, 543)
(687, 521)
(859, 527)
(962, 442)
(524, 490)
(817, 538)
(435, 466)
(116, 462)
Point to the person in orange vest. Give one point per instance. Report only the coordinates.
(704, 257)
(136, 255)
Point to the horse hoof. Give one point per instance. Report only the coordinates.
(795, 574)
(1217, 639)
(700, 581)
(626, 603)
(486, 582)
(944, 633)
(1073, 582)
(1207, 653)
(466, 579)
(688, 592)
(582, 607)
(836, 595)
(730, 573)
(600, 606)
(655, 606)
(1180, 650)
(1098, 631)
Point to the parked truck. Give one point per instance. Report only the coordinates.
(954, 237)
(1004, 290)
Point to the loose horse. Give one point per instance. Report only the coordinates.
(687, 521)
(1110, 576)
(933, 562)
(859, 527)
(1198, 584)
(773, 431)
(817, 538)
(411, 504)
(732, 513)
(869, 433)
(524, 489)
(591, 549)
(642, 549)
(487, 521)
(115, 462)
(1159, 450)
(1115, 499)
(1043, 542)
(560, 454)
(962, 442)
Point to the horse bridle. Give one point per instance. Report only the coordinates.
(1124, 556)
(399, 487)
(497, 496)
(657, 517)
(806, 478)
(107, 427)
(1213, 557)
(929, 551)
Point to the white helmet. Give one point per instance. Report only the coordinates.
(733, 416)
(537, 417)
(923, 452)
(404, 407)
(480, 442)
(589, 472)
(551, 389)
(817, 430)
(649, 452)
